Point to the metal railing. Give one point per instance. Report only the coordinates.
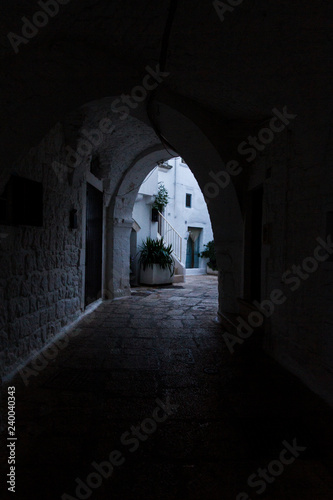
(170, 236)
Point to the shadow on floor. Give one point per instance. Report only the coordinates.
(149, 384)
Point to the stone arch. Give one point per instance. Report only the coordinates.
(118, 221)
(193, 142)
(191, 131)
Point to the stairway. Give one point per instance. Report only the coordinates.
(172, 237)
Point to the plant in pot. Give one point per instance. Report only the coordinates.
(156, 262)
(161, 201)
(162, 197)
(209, 254)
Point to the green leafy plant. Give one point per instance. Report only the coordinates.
(156, 252)
(209, 253)
(162, 197)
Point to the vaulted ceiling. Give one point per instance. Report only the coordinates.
(264, 54)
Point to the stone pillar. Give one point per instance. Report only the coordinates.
(117, 257)
(228, 229)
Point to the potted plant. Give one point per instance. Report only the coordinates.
(156, 262)
(209, 254)
(162, 198)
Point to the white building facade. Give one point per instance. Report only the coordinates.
(186, 214)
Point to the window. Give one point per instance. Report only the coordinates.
(22, 203)
(95, 167)
(188, 202)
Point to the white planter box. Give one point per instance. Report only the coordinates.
(155, 276)
(210, 271)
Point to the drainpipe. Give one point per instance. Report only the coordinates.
(175, 200)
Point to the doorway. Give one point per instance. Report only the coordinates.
(94, 245)
(193, 248)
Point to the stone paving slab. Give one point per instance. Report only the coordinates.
(135, 354)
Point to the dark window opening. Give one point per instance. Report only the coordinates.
(95, 167)
(21, 203)
(188, 202)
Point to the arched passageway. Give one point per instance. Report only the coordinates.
(242, 92)
(111, 152)
(204, 160)
(100, 150)
(152, 352)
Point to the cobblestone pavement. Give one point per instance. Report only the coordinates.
(220, 416)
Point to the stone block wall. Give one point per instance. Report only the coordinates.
(40, 267)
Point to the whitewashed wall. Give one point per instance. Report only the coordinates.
(179, 180)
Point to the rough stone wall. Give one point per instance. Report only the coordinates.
(40, 267)
(297, 196)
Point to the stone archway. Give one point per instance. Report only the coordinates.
(119, 222)
(192, 141)
(191, 132)
(126, 155)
